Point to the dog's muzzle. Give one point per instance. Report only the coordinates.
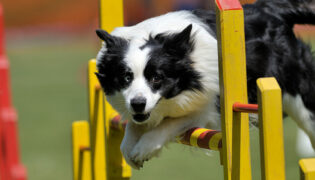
(138, 104)
(141, 117)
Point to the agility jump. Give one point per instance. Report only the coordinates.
(96, 152)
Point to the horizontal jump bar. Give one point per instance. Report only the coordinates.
(197, 137)
(247, 108)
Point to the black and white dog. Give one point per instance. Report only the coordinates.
(162, 74)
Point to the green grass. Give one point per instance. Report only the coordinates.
(49, 89)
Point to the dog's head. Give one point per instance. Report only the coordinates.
(136, 74)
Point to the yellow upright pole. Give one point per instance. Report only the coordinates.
(96, 113)
(233, 87)
(81, 157)
(271, 129)
(307, 168)
(111, 16)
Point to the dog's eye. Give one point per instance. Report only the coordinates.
(156, 79)
(128, 77)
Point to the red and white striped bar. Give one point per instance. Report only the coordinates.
(246, 108)
(202, 138)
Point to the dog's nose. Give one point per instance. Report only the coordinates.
(138, 104)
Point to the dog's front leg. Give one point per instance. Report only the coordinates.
(131, 137)
(151, 142)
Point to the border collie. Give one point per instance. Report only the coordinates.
(162, 74)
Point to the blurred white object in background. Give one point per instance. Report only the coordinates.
(303, 145)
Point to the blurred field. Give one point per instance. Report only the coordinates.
(49, 92)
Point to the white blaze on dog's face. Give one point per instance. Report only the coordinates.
(137, 74)
(139, 97)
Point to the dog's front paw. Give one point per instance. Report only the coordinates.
(126, 150)
(149, 145)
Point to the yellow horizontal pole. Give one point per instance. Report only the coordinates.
(271, 129)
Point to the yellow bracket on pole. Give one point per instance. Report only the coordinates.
(233, 87)
(307, 169)
(81, 153)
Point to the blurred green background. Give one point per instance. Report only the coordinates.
(48, 76)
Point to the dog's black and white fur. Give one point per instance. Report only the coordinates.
(162, 74)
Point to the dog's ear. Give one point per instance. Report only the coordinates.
(100, 77)
(179, 43)
(109, 40)
(103, 35)
(102, 80)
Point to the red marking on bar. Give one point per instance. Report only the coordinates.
(116, 118)
(84, 148)
(117, 123)
(204, 138)
(247, 108)
(228, 5)
(186, 136)
(97, 87)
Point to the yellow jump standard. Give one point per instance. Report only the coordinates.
(233, 88)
